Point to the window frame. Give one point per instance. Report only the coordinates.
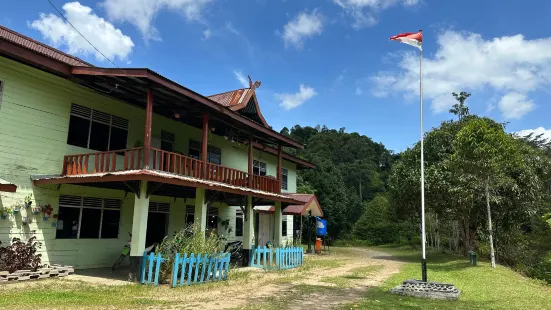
(284, 227)
(92, 118)
(239, 215)
(211, 150)
(284, 178)
(82, 206)
(258, 165)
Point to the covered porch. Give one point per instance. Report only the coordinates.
(145, 221)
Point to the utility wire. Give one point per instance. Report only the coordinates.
(65, 18)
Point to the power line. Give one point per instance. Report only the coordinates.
(65, 18)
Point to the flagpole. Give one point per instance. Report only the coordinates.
(424, 260)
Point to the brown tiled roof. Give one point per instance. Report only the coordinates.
(26, 42)
(296, 209)
(232, 98)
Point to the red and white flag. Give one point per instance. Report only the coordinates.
(410, 38)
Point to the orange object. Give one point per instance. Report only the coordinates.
(318, 245)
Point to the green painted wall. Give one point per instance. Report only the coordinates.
(34, 119)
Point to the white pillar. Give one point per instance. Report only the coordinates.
(278, 241)
(200, 209)
(139, 221)
(248, 225)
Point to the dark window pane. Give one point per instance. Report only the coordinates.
(239, 227)
(193, 153)
(212, 222)
(99, 137)
(110, 224)
(284, 173)
(284, 228)
(118, 139)
(190, 218)
(166, 146)
(78, 131)
(90, 223)
(67, 223)
(215, 159)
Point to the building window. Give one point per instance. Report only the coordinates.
(88, 218)
(284, 226)
(259, 168)
(190, 215)
(92, 129)
(238, 223)
(214, 154)
(167, 141)
(284, 176)
(212, 218)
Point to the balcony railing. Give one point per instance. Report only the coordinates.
(133, 159)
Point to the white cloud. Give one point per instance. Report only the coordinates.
(545, 133)
(359, 91)
(102, 34)
(363, 11)
(207, 34)
(303, 26)
(515, 105)
(290, 101)
(241, 78)
(511, 67)
(141, 13)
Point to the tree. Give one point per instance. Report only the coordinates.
(375, 224)
(482, 149)
(460, 109)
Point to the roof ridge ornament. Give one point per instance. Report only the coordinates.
(254, 85)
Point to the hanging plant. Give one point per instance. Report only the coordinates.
(47, 210)
(37, 209)
(16, 208)
(4, 214)
(28, 201)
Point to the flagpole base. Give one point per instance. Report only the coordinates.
(424, 269)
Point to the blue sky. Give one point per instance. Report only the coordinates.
(325, 62)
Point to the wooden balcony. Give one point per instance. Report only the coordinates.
(133, 159)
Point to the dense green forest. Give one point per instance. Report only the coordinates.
(486, 190)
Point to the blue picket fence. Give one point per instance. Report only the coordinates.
(278, 258)
(151, 267)
(200, 268)
(187, 270)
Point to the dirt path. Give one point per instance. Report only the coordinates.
(323, 283)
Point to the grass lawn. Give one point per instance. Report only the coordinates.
(481, 287)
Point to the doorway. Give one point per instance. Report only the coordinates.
(157, 222)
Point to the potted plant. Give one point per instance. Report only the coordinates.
(37, 209)
(47, 210)
(4, 214)
(16, 208)
(28, 201)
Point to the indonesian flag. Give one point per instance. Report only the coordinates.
(410, 38)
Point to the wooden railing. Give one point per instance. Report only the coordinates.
(175, 163)
(133, 159)
(263, 183)
(102, 162)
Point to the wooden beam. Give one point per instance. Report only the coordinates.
(34, 59)
(10, 188)
(279, 175)
(205, 144)
(148, 123)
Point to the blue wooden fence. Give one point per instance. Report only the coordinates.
(278, 258)
(187, 270)
(200, 268)
(151, 266)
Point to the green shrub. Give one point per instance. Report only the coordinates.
(190, 240)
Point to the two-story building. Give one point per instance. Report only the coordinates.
(117, 151)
